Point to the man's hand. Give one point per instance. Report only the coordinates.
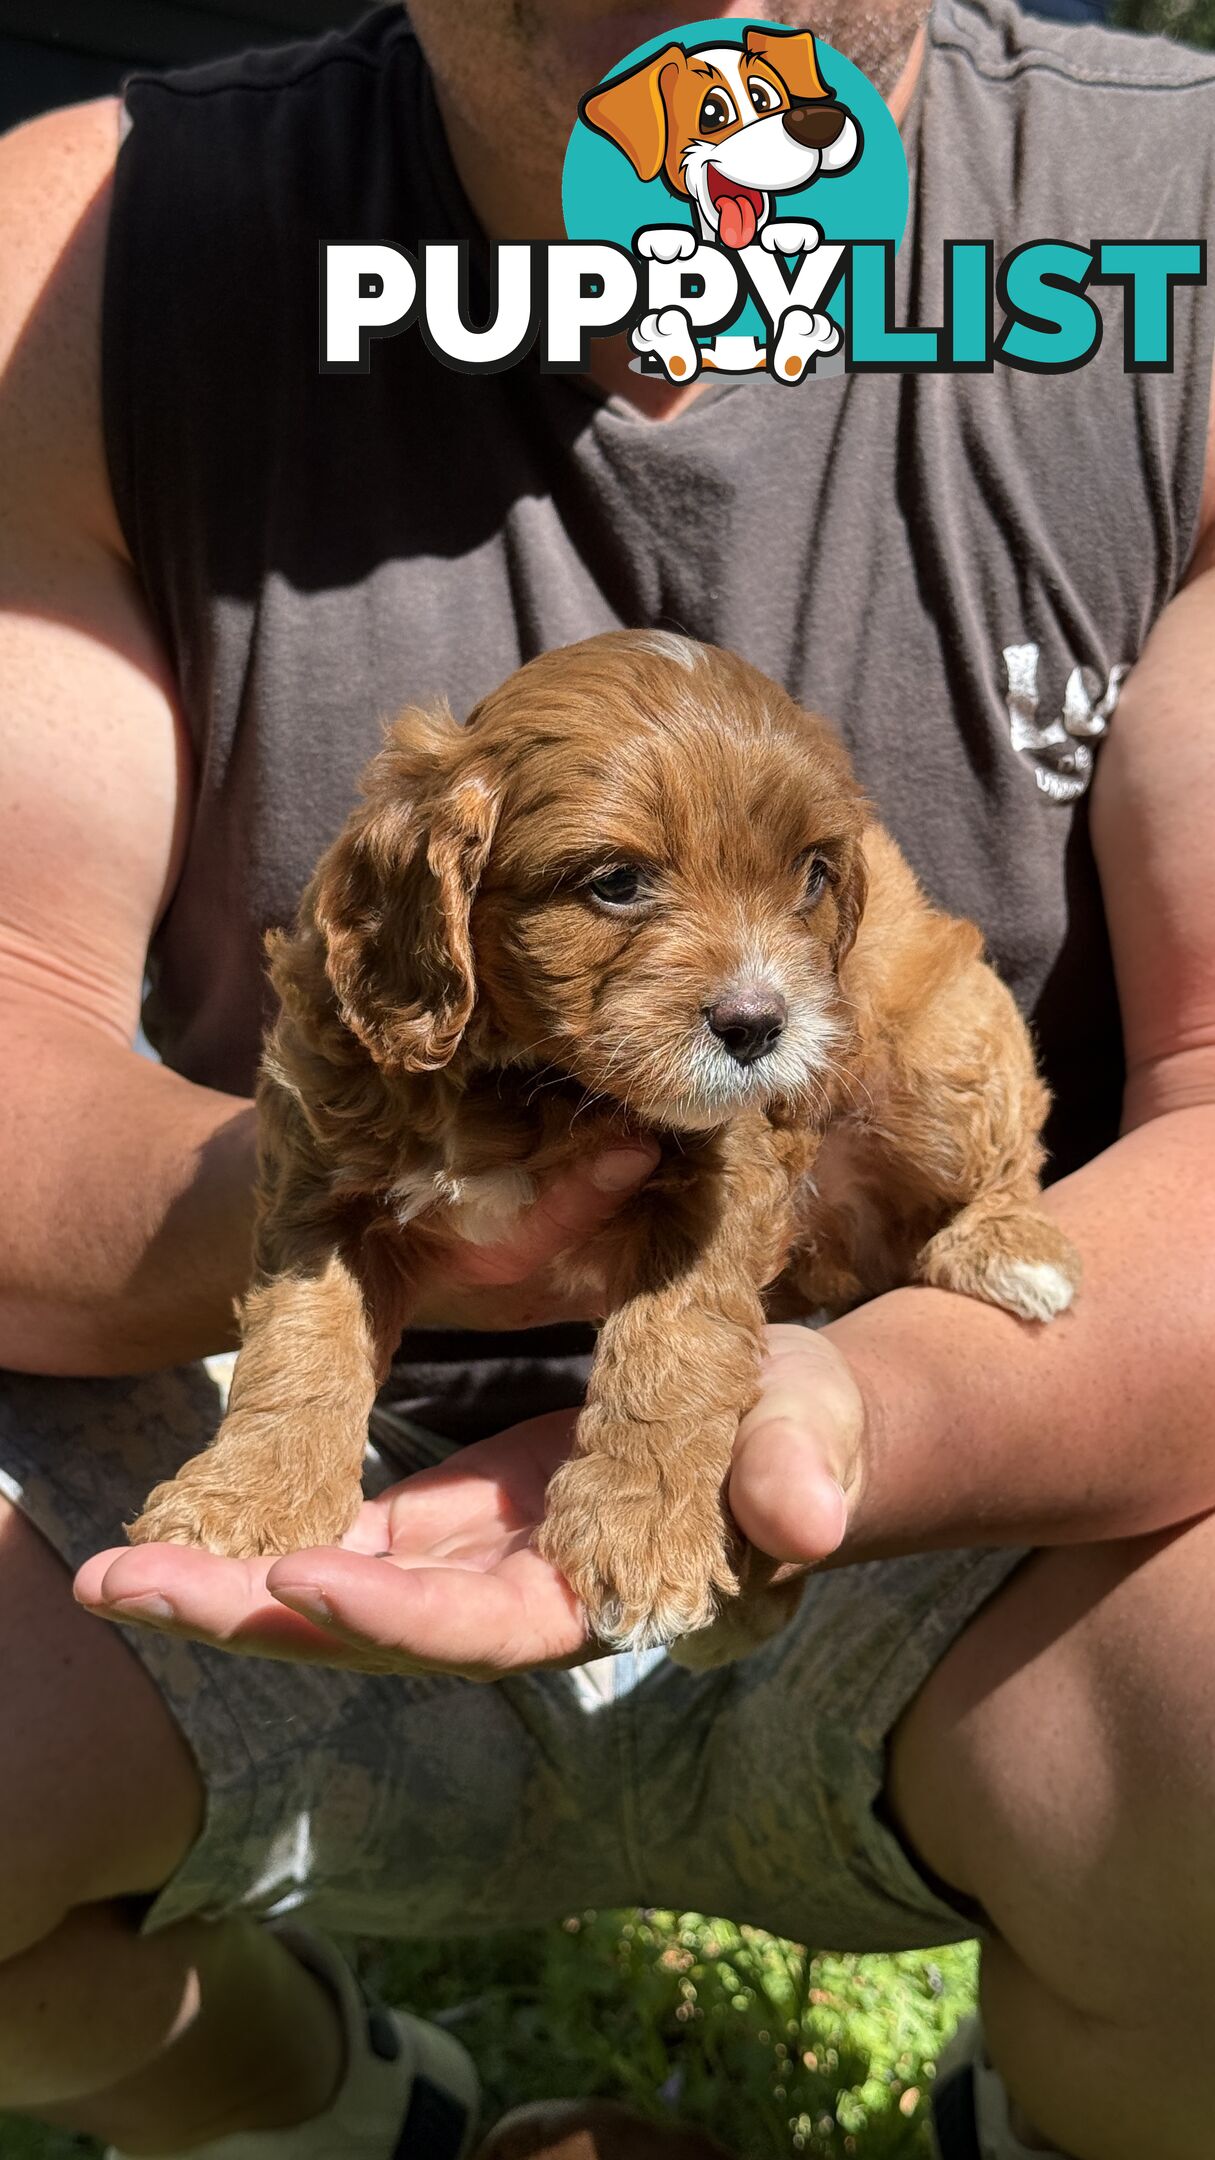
(439, 1574)
(436, 1575)
(503, 1285)
(799, 1460)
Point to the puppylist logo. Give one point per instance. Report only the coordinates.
(735, 140)
(734, 200)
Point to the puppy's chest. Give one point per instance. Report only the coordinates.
(503, 1137)
(479, 1206)
(482, 1207)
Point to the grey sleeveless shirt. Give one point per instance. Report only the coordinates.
(955, 568)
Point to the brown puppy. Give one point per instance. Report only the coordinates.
(640, 888)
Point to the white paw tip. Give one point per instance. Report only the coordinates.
(1033, 1288)
(663, 1625)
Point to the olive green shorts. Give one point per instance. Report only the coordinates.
(431, 1806)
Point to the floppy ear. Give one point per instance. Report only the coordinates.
(851, 893)
(393, 896)
(632, 111)
(793, 55)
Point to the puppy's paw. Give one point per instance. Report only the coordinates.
(740, 1628)
(220, 1501)
(648, 1564)
(1017, 1259)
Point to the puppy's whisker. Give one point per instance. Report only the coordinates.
(525, 1050)
(590, 1100)
(540, 1086)
(854, 1086)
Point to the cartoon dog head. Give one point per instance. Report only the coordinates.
(729, 126)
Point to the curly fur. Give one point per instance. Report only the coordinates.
(459, 1014)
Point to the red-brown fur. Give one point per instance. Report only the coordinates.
(457, 1005)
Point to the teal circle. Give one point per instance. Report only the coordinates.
(603, 199)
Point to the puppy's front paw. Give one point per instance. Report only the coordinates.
(1015, 1258)
(226, 1502)
(648, 1562)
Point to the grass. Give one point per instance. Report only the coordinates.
(777, 2052)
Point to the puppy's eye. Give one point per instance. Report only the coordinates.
(619, 887)
(816, 876)
(764, 95)
(717, 112)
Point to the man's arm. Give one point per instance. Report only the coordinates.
(125, 1226)
(125, 1223)
(981, 1429)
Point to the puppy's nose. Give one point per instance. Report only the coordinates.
(814, 127)
(748, 1023)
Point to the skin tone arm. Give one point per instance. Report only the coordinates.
(975, 1428)
(923, 1419)
(125, 1231)
(100, 1149)
(125, 1234)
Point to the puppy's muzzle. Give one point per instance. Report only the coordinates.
(748, 1024)
(817, 126)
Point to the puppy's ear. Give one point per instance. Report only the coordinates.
(632, 110)
(851, 893)
(393, 896)
(794, 56)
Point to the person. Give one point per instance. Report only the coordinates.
(218, 567)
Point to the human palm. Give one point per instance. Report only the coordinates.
(436, 1574)
(439, 1573)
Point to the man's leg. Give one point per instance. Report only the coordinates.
(1059, 1767)
(156, 2042)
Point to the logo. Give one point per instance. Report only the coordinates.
(734, 163)
(734, 200)
(1059, 751)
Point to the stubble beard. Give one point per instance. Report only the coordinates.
(515, 70)
(877, 38)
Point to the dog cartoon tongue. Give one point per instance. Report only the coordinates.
(737, 212)
(737, 221)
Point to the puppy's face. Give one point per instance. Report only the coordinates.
(659, 877)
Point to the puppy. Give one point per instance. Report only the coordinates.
(729, 126)
(639, 890)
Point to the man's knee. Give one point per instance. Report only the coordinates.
(1060, 1766)
(100, 1796)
